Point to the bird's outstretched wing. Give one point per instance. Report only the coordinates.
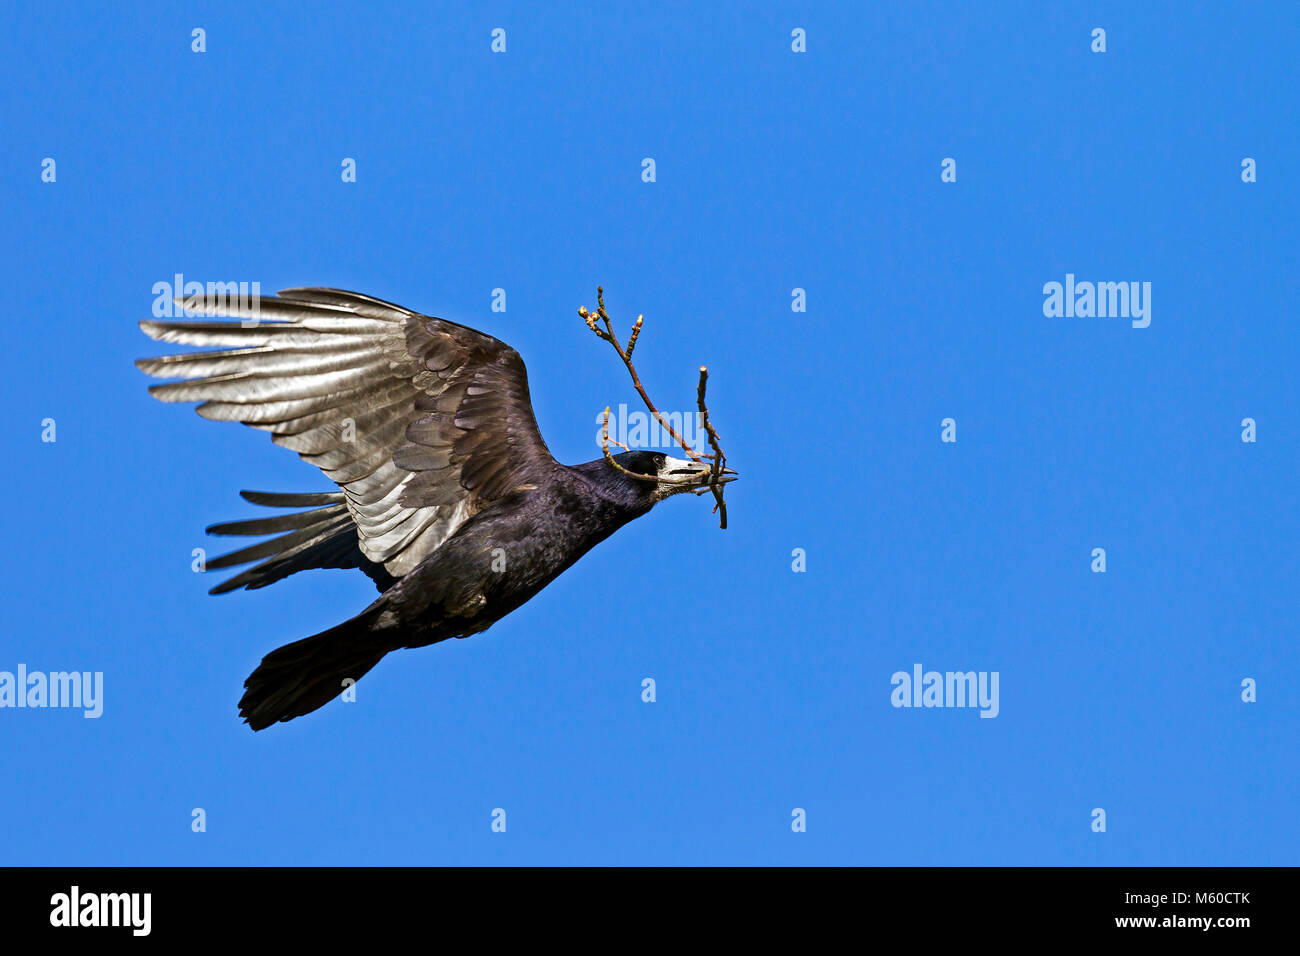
(419, 421)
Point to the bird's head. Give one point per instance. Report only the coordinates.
(672, 475)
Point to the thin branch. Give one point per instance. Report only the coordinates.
(608, 335)
(717, 460)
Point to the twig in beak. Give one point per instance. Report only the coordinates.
(717, 460)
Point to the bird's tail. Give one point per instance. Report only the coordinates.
(298, 678)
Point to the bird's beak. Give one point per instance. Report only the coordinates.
(698, 472)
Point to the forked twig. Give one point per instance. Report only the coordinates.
(607, 333)
(717, 460)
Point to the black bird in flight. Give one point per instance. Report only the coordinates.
(427, 428)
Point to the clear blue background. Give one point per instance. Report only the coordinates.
(775, 171)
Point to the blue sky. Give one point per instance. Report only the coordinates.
(775, 171)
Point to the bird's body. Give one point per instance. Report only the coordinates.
(506, 554)
(449, 499)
